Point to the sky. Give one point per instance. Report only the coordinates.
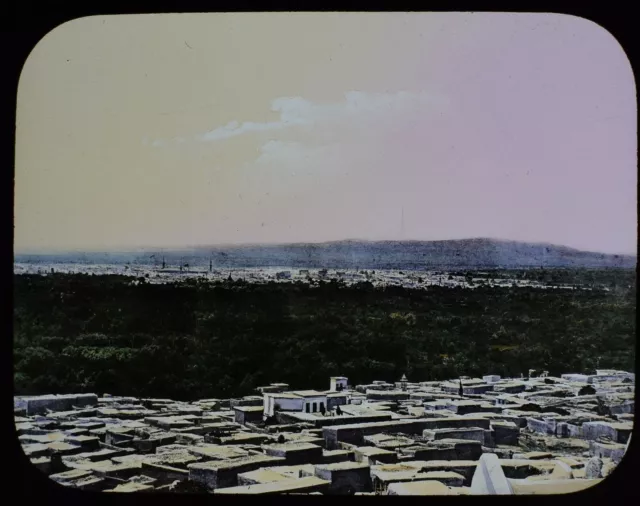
(175, 130)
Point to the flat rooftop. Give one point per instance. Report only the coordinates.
(323, 445)
(283, 395)
(308, 393)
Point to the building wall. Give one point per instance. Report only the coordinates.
(272, 402)
(332, 402)
(308, 401)
(244, 417)
(285, 404)
(268, 405)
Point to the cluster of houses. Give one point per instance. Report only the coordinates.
(467, 436)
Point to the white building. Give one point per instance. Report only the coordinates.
(283, 401)
(338, 383)
(582, 378)
(305, 401)
(612, 375)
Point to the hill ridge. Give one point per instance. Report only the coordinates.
(352, 253)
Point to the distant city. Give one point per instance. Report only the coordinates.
(347, 260)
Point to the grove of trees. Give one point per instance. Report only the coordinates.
(196, 339)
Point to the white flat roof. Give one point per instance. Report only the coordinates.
(283, 395)
(308, 393)
(299, 394)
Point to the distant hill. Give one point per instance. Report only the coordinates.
(407, 255)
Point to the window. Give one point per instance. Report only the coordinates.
(306, 407)
(322, 406)
(315, 407)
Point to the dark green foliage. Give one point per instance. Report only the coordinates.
(196, 339)
(587, 390)
(611, 278)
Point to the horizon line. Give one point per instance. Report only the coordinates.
(176, 248)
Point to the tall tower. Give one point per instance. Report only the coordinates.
(403, 382)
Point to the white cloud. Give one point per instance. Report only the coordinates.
(234, 128)
(297, 111)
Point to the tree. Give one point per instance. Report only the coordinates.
(587, 390)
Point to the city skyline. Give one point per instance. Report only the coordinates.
(180, 130)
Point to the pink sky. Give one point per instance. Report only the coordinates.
(202, 129)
